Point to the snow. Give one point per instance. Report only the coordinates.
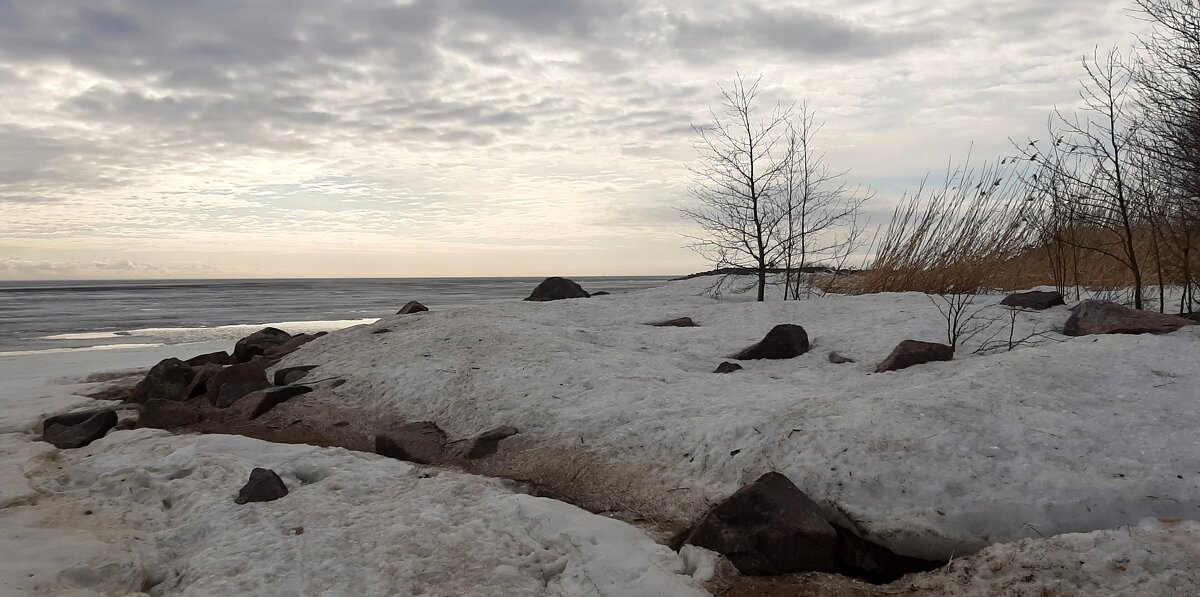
(1074, 434)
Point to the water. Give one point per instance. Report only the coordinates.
(93, 315)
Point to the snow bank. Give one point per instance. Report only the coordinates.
(1072, 435)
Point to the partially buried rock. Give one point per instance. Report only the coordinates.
(727, 367)
(1103, 317)
(769, 527)
(264, 400)
(382, 331)
(412, 307)
(286, 376)
(264, 486)
(169, 414)
(784, 341)
(257, 343)
(913, 352)
(422, 443)
(556, 288)
(293, 343)
(1038, 300)
(167, 380)
(76, 430)
(486, 443)
(235, 381)
(215, 358)
(601, 293)
(838, 359)
(678, 322)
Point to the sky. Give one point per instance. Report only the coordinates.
(383, 138)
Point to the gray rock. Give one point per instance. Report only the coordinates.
(77, 430)
(264, 486)
(235, 381)
(1103, 317)
(784, 341)
(422, 443)
(913, 352)
(1035, 299)
(727, 367)
(838, 359)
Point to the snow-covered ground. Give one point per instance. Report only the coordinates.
(1093, 436)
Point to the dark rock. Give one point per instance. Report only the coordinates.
(422, 443)
(295, 342)
(727, 367)
(556, 288)
(281, 375)
(264, 400)
(257, 343)
(678, 322)
(166, 380)
(485, 443)
(117, 392)
(214, 358)
(863, 559)
(411, 307)
(1103, 317)
(912, 352)
(76, 430)
(169, 414)
(235, 381)
(1194, 316)
(199, 385)
(1035, 299)
(769, 527)
(382, 331)
(601, 293)
(264, 486)
(784, 341)
(838, 359)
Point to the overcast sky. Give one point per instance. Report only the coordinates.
(289, 138)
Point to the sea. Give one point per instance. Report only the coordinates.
(69, 316)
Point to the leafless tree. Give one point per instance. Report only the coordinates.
(735, 179)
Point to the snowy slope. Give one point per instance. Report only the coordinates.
(1072, 435)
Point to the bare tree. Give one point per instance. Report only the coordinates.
(817, 203)
(734, 181)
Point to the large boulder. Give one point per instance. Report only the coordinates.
(784, 341)
(556, 288)
(412, 307)
(211, 358)
(257, 343)
(76, 430)
(264, 486)
(914, 352)
(167, 381)
(1038, 300)
(1104, 317)
(235, 381)
(422, 443)
(769, 527)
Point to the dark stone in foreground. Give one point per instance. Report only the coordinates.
(838, 359)
(556, 288)
(412, 307)
(264, 486)
(167, 381)
(211, 358)
(422, 443)
(913, 352)
(678, 322)
(265, 400)
(199, 385)
(784, 341)
(1039, 300)
(727, 367)
(257, 343)
(282, 375)
(169, 414)
(235, 381)
(485, 443)
(769, 527)
(76, 430)
(1104, 317)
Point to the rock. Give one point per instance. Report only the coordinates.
(556, 288)
(382, 331)
(838, 359)
(863, 559)
(235, 381)
(769, 527)
(1103, 317)
(727, 367)
(199, 385)
(264, 400)
(422, 443)
(257, 343)
(912, 352)
(76, 430)
(120, 393)
(412, 307)
(601, 293)
(169, 414)
(1039, 300)
(485, 443)
(277, 352)
(784, 341)
(678, 322)
(167, 380)
(281, 375)
(264, 486)
(213, 358)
